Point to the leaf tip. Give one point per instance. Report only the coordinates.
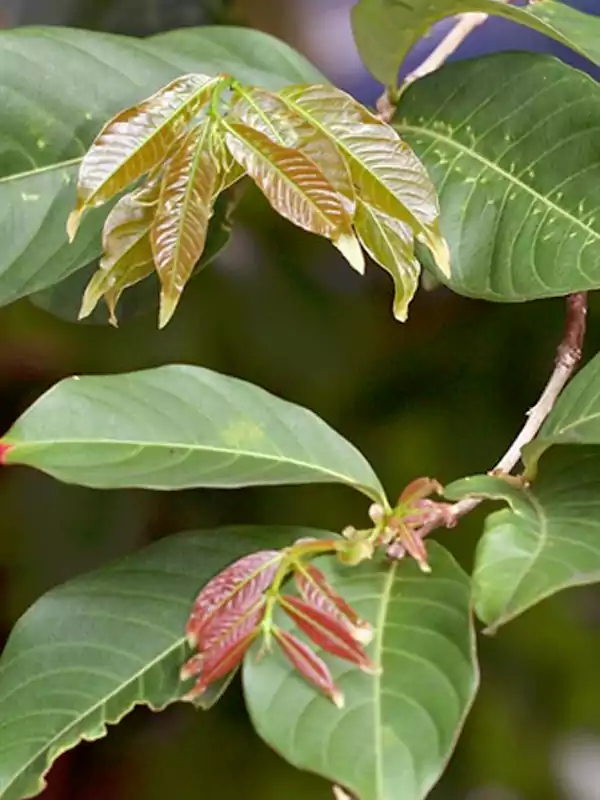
(167, 309)
(349, 247)
(73, 223)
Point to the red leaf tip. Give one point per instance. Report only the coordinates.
(4, 449)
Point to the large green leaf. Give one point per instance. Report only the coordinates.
(87, 652)
(46, 126)
(176, 427)
(575, 419)
(385, 30)
(516, 163)
(397, 730)
(548, 540)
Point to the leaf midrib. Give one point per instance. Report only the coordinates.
(172, 446)
(104, 701)
(377, 694)
(502, 172)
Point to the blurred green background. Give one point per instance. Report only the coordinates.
(441, 395)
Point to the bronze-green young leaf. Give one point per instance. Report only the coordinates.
(178, 233)
(127, 255)
(389, 243)
(294, 185)
(386, 172)
(135, 141)
(269, 114)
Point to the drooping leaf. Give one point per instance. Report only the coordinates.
(385, 30)
(64, 299)
(136, 141)
(176, 427)
(389, 243)
(127, 253)
(46, 126)
(515, 163)
(269, 114)
(87, 652)
(575, 419)
(393, 737)
(385, 171)
(548, 540)
(291, 182)
(181, 223)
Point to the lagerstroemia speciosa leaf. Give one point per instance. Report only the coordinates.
(87, 652)
(176, 427)
(397, 728)
(547, 540)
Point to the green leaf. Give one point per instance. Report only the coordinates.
(180, 226)
(548, 540)
(516, 164)
(396, 732)
(46, 126)
(136, 141)
(385, 30)
(385, 171)
(64, 298)
(575, 419)
(176, 427)
(389, 242)
(87, 652)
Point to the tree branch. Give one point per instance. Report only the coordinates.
(568, 355)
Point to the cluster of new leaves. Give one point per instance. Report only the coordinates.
(237, 607)
(322, 160)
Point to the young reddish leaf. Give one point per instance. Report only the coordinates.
(239, 585)
(386, 172)
(328, 631)
(419, 489)
(292, 182)
(179, 228)
(4, 449)
(309, 665)
(135, 141)
(127, 254)
(219, 661)
(242, 607)
(389, 242)
(316, 590)
(411, 542)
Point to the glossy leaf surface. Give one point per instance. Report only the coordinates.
(64, 299)
(389, 243)
(516, 164)
(291, 182)
(393, 737)
(85, 654)
(184, 209)
(547, 540)
(385, 171)
(46, 126)
(136, 141)
(176, 427)
(385, 30)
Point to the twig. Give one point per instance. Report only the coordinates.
(568, 355)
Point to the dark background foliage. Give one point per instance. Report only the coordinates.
(441, 395)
